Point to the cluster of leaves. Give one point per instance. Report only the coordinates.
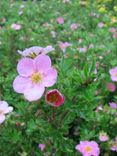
(60, 129)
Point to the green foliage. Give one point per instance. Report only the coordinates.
(62, 128)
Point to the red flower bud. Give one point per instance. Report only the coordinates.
(54, 98)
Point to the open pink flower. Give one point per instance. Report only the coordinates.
(34, 76)
(66, 1)
(41, 146)
(35, 51)
(16, 26)
(4, 109)
(73, 26)
(64, 45)
(114, 145)
(101, 25)
(113, 73)
(112, 30)
(60, 20)
(115, 35)
(54, 98)
(88, 148)
(103, 136)
(111, 87)
(113, 105)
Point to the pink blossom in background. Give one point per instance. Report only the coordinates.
(88, 148)
(4, 109)
(115, 35)
(82, 49)
(113, 73)
(73, 26)
(54, 98)
(16, 26)
(114, 145)
(111, 87)
(35, 51)
(60, 20)
(103, 136)
(113, 105)
(101, 25)
(112, 30)
(64, 45)
(41, 146)
(34, 76)
(66, 1)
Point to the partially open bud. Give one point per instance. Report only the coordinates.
(54, 98)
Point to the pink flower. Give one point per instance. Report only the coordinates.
(34, 76)
(64, 45)
(54, 98)
(82, 49)
(66, 1)
(103, 136)
(115, 35)
(113, 73)
(114, 145)
(88, 148)
(73, 26)
(113, 105)
(112, 30)
(4, 109)
(60, 20)
(41, 146)
(35, 51)
(100, 25)
(111, 87)
(16, 26)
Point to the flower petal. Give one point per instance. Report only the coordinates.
(3, 104)
(20, 84)
(34, 93)
(25, 67)
(2, 118)
(48, 49)
(8, 110)
(50, 77)
(42, 62)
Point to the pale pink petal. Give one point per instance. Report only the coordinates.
(50, 77)
(48, 49)
(8, 110)
(20, 84)
(3, 104)
(42, 62)
(34, 93)
(2, 118)
(114, 78)
(113, 71)
(25, 67)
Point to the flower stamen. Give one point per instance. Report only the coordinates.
(36, 77)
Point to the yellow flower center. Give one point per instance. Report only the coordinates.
(116, 74)
(33, 55)
(53, 98)
(36, 77)
(88, 148)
